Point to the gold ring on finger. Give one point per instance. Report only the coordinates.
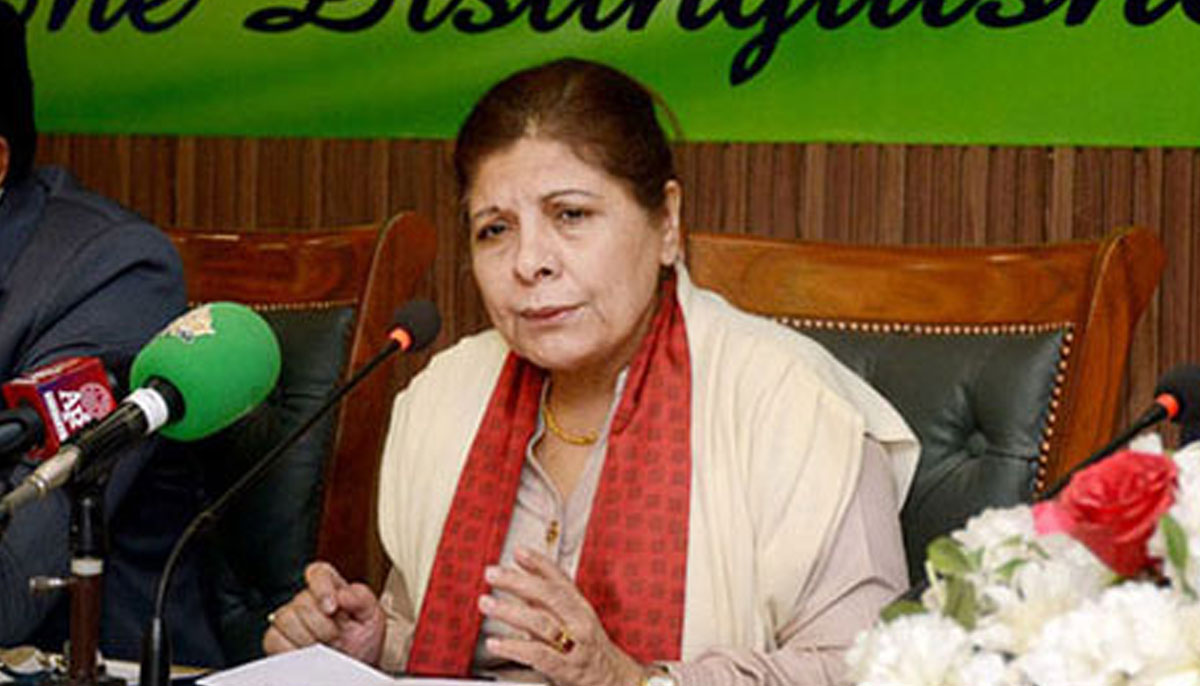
(562, 641)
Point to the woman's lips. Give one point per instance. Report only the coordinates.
(547, 315)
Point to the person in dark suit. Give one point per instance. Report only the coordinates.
(79, 275)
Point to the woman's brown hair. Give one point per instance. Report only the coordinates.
(605, 116)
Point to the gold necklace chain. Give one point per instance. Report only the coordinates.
(588, 438)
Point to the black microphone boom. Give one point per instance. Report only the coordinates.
(1177, 397)
(90, 454)
(416, 324)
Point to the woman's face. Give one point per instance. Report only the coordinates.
(566, 259)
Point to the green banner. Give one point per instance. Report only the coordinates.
(1087, 72)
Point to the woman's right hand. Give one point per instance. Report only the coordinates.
(345, 616)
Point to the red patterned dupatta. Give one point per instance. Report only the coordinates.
(633, 566)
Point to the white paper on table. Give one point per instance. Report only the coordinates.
(316, 664)
(431, 681)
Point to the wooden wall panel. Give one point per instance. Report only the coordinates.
(1031, 194)
(812, 193)
(957, 195)
(862, 213)
(976, 175)
(919, 178)
(893, 171)
(1002, 197)
(760, 169)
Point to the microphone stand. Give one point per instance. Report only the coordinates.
(1153, 416)
(155, 665)
(86, 586)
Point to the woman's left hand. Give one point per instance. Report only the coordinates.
(566, 641)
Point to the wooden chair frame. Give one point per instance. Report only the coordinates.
(1095, 289)
(371, 268)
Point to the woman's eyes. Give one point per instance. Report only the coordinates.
(572, 215)
(490, 230)
(564, 216)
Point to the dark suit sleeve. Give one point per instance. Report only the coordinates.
(109, 296)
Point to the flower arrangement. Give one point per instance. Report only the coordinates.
(1096, 587)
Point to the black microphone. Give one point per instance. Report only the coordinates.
(1186, 378)
(20, 429)
(1177, 398)
(415, 326)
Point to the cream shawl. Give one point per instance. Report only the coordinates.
(777, 432)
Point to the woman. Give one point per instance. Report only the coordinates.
(627, 481)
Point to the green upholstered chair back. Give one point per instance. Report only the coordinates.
(1007, 362)
(330, 297)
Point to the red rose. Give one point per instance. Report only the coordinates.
(1113, 507)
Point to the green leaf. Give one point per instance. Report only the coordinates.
(948, 557)
(901, 608)
(1177, 549)
(1039, 550)
(1015, 539)
(961, 604)
(1009, 568)
(975, 558)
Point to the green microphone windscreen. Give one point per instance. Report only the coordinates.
(222, 358)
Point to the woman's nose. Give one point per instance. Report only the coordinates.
(536, 257)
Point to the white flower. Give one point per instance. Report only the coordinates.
(1186, 512)
(1187, 673)
(997, 539)
(923, 650)
(1148, 442)
(988, 669)
(1044, 610)
(1021, 580)
(1039, 590)
(1132, 634)
(1002, 534)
